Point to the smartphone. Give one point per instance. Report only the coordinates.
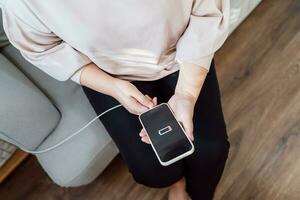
(167, 137)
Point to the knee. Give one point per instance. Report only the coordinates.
(152, 174)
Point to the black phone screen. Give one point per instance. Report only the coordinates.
(165, 133)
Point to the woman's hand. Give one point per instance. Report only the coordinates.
(123, 91)
(130, 97)
(188, 87)
(183, 107)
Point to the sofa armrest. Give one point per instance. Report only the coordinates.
(26, 114)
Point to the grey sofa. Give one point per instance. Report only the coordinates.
(38, 111)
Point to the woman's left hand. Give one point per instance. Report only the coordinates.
(183, 107)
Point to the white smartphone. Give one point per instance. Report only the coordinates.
(167, 137)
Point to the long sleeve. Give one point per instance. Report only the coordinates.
(42, 47)
(205, 33)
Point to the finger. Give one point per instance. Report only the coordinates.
(136, 107)
(144, 136)
(142, 99)
(148, 97)
(188, 128)
(155, 101)
(142, 133)
(145, 139)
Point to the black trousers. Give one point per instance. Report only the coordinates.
(202, 169)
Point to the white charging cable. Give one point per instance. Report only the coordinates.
(62, 141)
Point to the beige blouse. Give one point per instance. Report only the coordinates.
(129, 39)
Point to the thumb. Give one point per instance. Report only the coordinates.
(188, 128)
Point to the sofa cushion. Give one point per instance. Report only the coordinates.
(26, 114)
(84, 157)
(3, 39)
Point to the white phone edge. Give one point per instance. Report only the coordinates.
(178, 157)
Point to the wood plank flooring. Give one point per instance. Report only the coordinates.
(259, 75)
(260, 79)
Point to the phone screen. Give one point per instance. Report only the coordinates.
(165, 133)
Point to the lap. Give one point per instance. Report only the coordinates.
(124, 127)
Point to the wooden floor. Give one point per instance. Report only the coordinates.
(259, 74)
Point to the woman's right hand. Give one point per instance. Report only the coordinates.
(130, 97)
(123, 91)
